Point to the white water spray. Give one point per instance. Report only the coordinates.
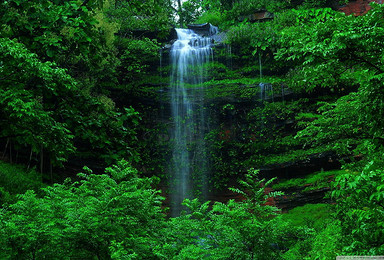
(189, 165)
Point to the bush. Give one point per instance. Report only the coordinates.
(15, 179)
(213, 17)
(232, 230)
(113, 214)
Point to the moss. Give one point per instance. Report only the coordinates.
(313, 181)
(241, 88)
(312, 215)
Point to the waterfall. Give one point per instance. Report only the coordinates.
(266, 92)
(266, 89)
(189, 165)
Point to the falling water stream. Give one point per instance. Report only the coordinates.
(189, 166)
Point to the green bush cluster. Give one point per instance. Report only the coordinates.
(93, 217)
(15, 179)
(118, 215)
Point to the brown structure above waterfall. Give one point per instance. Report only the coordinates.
(358, 7)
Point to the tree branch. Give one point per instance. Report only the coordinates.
(358, 58)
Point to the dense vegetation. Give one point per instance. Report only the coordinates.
(80, 85)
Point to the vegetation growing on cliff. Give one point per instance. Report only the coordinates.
(80, 84)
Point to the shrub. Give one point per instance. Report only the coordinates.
(95, 217)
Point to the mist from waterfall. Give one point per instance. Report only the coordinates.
(189, 166)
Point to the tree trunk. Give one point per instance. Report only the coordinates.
(50, 168)
(10, 151)
(181, 17)
(30, 159)
(5, 149)
(41, 159)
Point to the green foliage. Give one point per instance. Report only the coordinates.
(54, 62)
(191, 10)
(246, 7)
(318, 233)
(360, 210)
(15, 179)
(227, 13)
(327, 242)
(224, 156)
(312, 215)
(115, 214)
(314, 15)
(136, 15)
(254, 44)
(241, 88)
(214, 17)
(199, 11)
(269, 135)
(45, 109)
(60, 31)
(329, 53)
(265, 134)
(136, 58)
(23, 96)
(336, 52)
(338, 128)
(313, 181)
(234, 230)
(60, 59)
(329, 49)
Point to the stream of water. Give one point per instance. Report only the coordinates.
(189, 166)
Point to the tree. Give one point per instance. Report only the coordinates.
(136, 15)
(56, 56)
(360, 208)
(337, 52)
(65, 32)
(26, 84)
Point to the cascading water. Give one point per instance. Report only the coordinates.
(266, 89)
(189, 166)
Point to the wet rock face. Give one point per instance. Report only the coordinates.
(294, 169)
(204, 30)
(297, 197)
(233, 121)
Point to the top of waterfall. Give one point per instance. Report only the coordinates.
(185, 34)
(187, 38)
(205, 29)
